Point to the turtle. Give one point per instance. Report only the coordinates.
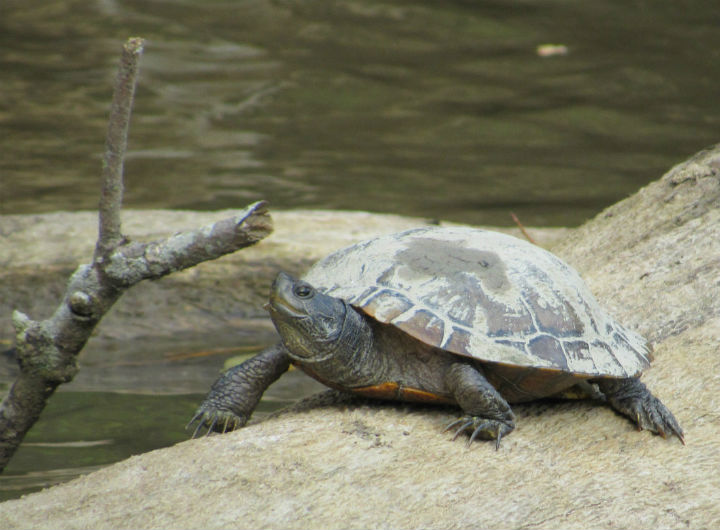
(449, 315)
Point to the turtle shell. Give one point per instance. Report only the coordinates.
(484, 295)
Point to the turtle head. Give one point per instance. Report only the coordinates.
(309, 322)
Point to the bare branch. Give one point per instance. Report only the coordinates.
(109, 234)
(47, 350)
(134, 262)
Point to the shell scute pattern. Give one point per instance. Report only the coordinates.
(551, 349)
(579, 353)
(485, 295)
(386, 305)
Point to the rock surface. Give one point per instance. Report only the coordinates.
(652, 259)
(39, 252)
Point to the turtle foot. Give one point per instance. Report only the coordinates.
(649, 413)
(632, 398)
(220, 421)
(479, 427)
(236, 393)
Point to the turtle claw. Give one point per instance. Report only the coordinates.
(212, 425)
(651, 414)
(197, 430)
(453, 424)
(195, 418)
(460, 429)
(216, 421)
(472, 438)
(635, 401)
(198, 417)
(483, 428)
(677, 431)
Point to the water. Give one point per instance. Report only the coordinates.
(83, 431)
(128, 399)
(433, 109)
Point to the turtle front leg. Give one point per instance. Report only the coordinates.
(631, 398)
(235, 394)
(487, 415)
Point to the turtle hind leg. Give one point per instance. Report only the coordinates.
(487, 415)
(631, 398)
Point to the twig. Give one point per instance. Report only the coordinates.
(111, 194)
(522, 228)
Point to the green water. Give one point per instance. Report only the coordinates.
(82, 431)
(435, 109)
(131, 397)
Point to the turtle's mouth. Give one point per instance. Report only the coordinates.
(282, 301)
(279, 306)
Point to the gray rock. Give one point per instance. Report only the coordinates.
(651, 259)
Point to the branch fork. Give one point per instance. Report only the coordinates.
(47, 350)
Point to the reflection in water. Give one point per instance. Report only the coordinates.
(15, 486)
(440, 110)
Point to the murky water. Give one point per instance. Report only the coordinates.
(433, 109)
(130, 399)
(84, 431)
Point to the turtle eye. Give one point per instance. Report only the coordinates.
(303, 290)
